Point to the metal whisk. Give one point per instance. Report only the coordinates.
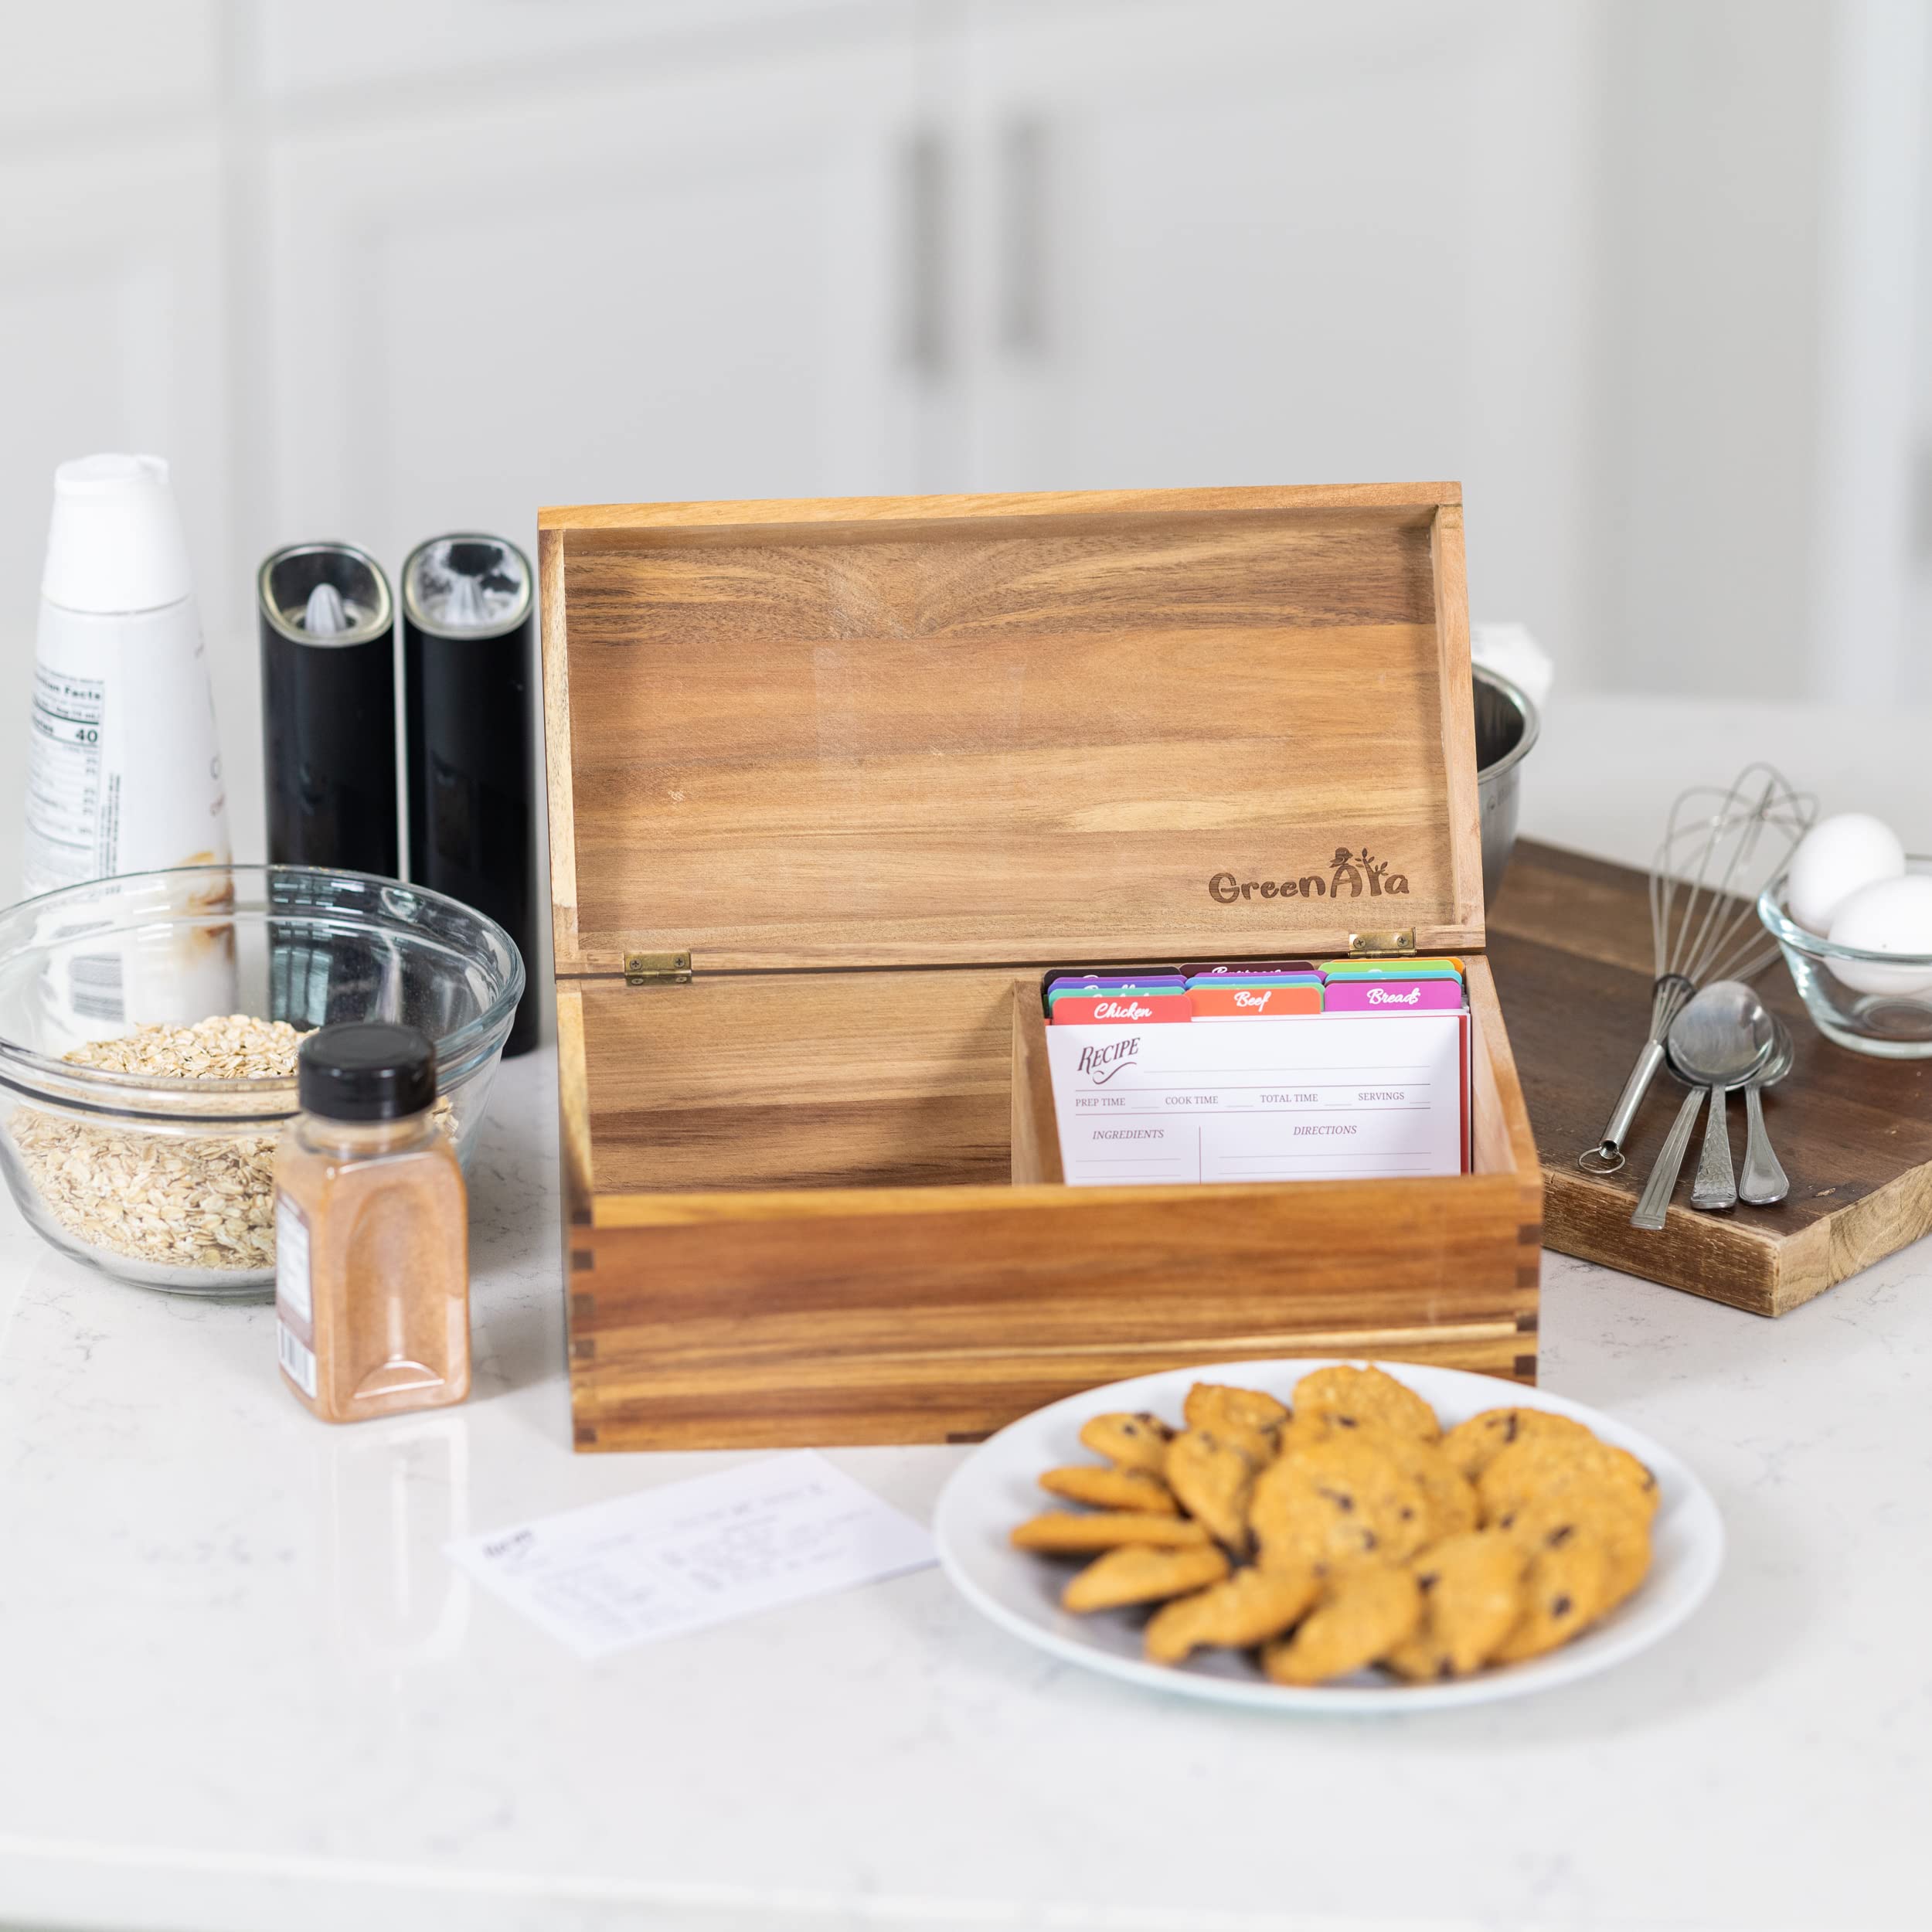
(1721, 849)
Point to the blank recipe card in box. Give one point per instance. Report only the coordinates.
(1323, 1096)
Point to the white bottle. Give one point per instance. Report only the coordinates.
(124, 771)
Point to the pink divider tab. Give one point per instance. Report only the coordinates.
(1393, 996)
(1122, 1009)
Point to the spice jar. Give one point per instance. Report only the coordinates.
(372, 1234)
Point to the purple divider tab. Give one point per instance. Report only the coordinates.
(1107, 982)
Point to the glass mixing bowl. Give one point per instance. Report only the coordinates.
(170, 1181)
(1883, 1006)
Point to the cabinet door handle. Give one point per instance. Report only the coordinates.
(1022, 195)
(922, 248)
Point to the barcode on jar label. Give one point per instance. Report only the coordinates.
(97, 990)
(298, 1362)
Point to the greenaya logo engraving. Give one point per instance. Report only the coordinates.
(1349, 874)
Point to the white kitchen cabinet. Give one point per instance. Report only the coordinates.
(302, 50)
(112, 281)
(687, 286)
(1280, 242)
(382, 268)
(107, 66)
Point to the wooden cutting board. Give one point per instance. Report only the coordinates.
(1569, 941)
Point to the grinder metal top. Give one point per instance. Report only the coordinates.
(466, 587)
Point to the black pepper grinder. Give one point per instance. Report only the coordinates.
(328, 629)
(468, 636)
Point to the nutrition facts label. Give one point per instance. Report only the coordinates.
(65, 795)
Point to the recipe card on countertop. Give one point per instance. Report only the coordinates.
(1321, 1097)
(668, 1561)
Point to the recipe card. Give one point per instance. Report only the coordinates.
(1337, 1096)
(668, 1561)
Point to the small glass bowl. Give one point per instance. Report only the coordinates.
(170, 1181)
(1890, 1016)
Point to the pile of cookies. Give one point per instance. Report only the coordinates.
(1350, 1530)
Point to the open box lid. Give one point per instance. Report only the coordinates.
(1010, 730)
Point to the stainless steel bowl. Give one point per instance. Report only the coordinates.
(1506, 727)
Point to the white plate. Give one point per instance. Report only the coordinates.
(997, 1487)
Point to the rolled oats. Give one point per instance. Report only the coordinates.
(172, 1198)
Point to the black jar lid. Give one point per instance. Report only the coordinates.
(366, 1070)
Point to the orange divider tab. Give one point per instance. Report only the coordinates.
(1254, 1002)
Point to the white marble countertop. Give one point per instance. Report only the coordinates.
(241, 1688)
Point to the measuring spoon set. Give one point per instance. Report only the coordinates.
(1724, 1039)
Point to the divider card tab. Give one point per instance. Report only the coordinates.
(1393, 969)
(1242, 968)
(1320, 1097)
(1362, 979)
(1243, 999)
(1121, 1009)
(1090, 988)
(1210, 980)
(1394, 995)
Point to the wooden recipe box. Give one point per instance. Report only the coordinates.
(831, 783)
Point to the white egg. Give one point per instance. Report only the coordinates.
(1835, 859)
(1891, 916)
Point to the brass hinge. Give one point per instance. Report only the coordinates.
(657, 969)
(1373, 945)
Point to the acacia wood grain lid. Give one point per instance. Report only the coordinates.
(987, 730)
